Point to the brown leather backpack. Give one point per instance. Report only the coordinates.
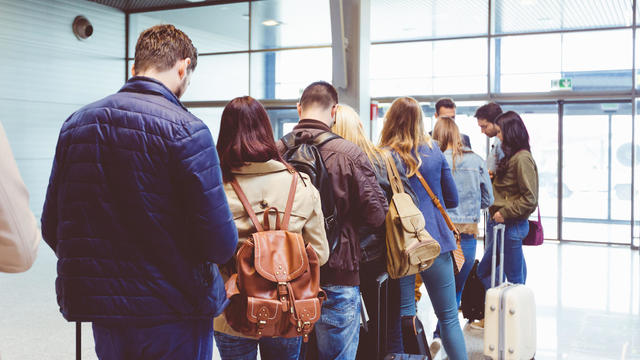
(276, 290)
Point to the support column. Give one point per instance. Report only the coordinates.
(354, 16)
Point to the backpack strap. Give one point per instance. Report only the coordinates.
(392, 173)
(292, 193)
(323, 138)
(246, 205)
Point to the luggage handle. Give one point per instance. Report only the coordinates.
(493, 258)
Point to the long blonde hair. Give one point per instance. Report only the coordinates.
(349, 126)
(447, 134)
(403, 131)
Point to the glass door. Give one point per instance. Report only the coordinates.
(541, 120)
(597, 172)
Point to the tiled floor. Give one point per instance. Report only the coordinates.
(587, 307)
(587, 300)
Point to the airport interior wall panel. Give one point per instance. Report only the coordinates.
(46, 74)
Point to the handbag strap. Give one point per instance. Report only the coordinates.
(284, 225)
(540, 221)
(392, 173)
(437, 203)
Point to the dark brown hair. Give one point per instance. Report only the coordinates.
(161, 46)
(245, 136)
(515, 138)
(489, 111)
(444, 102)
(320, 93)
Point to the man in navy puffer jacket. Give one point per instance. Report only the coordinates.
(137, 215)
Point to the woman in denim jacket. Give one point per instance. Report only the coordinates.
(403, 132)
(474, 193)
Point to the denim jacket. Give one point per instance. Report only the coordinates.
(474, 187)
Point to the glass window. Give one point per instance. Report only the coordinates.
(211, 117)
(288, 23)
(211, 28)
(529, 63)
(401, 69)
(549, 15)
(283, 120)
(590, 68)
(285, 74)
(541, 121)
(219, 77)
(431, 67)
(410, 19)
(597, 172)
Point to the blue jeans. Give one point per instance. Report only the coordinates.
(338, 329)
(468, 244)
(271, 348)
(192, 339)
(440, 284)
(515, 267)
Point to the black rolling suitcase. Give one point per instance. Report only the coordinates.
(383, 315)
(366, 350)
(414, 338)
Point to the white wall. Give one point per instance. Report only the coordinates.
(45, 75)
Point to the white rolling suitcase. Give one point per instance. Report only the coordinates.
(509, 314)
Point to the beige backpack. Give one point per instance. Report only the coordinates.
(410, 248)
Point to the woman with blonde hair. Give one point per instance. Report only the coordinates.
(474, 192)
(372, 240)
(404, 133)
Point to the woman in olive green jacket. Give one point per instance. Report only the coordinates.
(515, 188)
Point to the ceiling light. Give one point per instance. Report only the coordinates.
(270, 22)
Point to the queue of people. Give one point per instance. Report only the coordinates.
(145, 215)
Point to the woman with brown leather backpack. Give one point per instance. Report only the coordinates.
(258, 183)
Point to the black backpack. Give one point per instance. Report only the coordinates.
(302, 152)
(473, 295)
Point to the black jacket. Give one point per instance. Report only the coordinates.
(358, 197)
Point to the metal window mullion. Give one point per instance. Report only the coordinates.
(633, 122)
(560, 165)
(126, 46)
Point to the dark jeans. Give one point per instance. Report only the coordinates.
(369, 272)
(238, 348)
(468, 244)
(192, 339)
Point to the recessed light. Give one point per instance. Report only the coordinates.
(270, 22)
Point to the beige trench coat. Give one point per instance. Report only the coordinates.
(19, 232)
(267, 184)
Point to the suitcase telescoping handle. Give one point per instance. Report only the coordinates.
(496, 228)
